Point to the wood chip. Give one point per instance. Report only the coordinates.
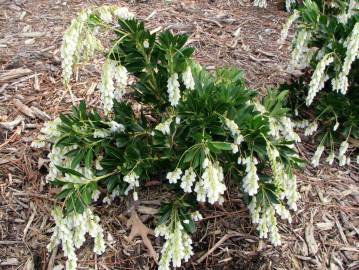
(32, 34)
(40, 114)
(309, 238)
(341, 232)
(11, 125)
(14, 74)
(23, 108)
(10, 262)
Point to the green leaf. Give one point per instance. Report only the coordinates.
(63, 194)
(89, 158)
(221, 145)
(77, 158)
(190, 227)
(69, 171)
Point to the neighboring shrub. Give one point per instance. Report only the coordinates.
(327, 40)
(195, 130)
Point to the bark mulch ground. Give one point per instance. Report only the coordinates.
(324, 232)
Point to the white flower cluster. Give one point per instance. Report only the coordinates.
(70, 232)
(116, 127)
(109, 198)
(352, 53)
(260, 3)
(57, 158)
(352, 7)
(80, 38)
(292, 18)
(105, 13)
(165, 127)
(123, 13)
(318, 79)
(342, 150)
(188, 78)
(113, 83)
(250, 181)
(316, 157)
(330, 158)
(101, 133)
(188, 179)
(178, 245)
(174, 176)
(284, 127)
(311, 128)
(288, 4)
(71, 44)
(267, 221)
(211, 184)
(235, 132)
(196, 216)
(302, 124)
(173, 89)
(49, 133)
(132, 180)
(300, 47)
(289, 184)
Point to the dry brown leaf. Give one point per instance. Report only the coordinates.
(140, 229)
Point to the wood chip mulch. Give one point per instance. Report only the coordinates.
(325, 229)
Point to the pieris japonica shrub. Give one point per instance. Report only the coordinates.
(195, 132)
(327, 42)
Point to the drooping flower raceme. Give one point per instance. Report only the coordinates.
(121, 78)
(318, 79)
(213, 182)
(342, 150)
(123, 13)
(105, 13)
(132, 180)
(107, 86)
(300, 47)
(312, 127)
(188, 179)
(113, 83)
(290, 191)
(352, 53)
(71, 44)
(267, 221)
(250, 181)
(70, 232)
(178, 245)
(316, 157)
(174, 176)
(330, 158)
(235, 132)
(173, 89)
(188, 78)
(165, 127)
(80, 38)
(284, 33)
